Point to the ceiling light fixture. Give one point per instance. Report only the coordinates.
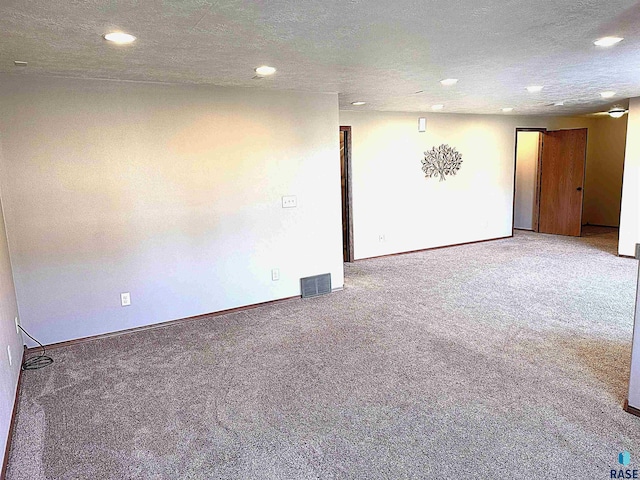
(617, 111)
(19, 63)
(359, 103)
(265, 70)
(535, 88)
(559, 104)
(607, 41)
(120, 38)
(447, 82)
(607, 94)
(437, 107)
(507, 109)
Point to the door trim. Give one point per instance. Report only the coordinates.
(348, 193)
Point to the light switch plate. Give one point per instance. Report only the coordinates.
(125, 299)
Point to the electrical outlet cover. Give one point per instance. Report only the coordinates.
(289, 201)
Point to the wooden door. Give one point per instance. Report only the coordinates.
(562, 181)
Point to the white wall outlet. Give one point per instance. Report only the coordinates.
(9, 355)
(125, 299)
(17, 325)
(381, 238)
(289, 201)
(275, 274)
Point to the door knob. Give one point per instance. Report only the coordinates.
(579, 189)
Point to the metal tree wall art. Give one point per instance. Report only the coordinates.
(442, 160)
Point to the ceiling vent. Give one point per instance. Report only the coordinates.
(317, 285)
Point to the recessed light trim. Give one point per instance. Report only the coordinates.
(608, 94)
(438, 106)
(507, 109)
(265, 70)
(358, 103)
(607, 41)
(119, 38)
(448, 82)
(535, 88)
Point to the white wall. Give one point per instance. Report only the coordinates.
(634, 379)
(526, 173)
(172, 193)
(630, 232)
(392, 198)
(630, 210)
(603, 177)
(8, 338)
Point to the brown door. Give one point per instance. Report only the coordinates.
(562, 181)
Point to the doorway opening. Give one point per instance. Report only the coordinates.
(345, 176)
(526, 201)
(549, 180)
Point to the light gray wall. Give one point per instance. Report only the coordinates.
(630, 232)
(392, 198)
(8, 336)
(172, 193)
(630, 208)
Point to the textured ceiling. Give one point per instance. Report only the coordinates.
(379, 51)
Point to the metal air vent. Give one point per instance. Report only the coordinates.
(316, 285)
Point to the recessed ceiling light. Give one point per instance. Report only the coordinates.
(437, 107)
(607, 41)
(120, 38)
(19, 63)
(265, 70)
(447, 82)
(507, 109)
(559, 104)
(607, 94)
(357, 104)
(535, 88)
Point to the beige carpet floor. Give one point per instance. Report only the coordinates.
(505, 359)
